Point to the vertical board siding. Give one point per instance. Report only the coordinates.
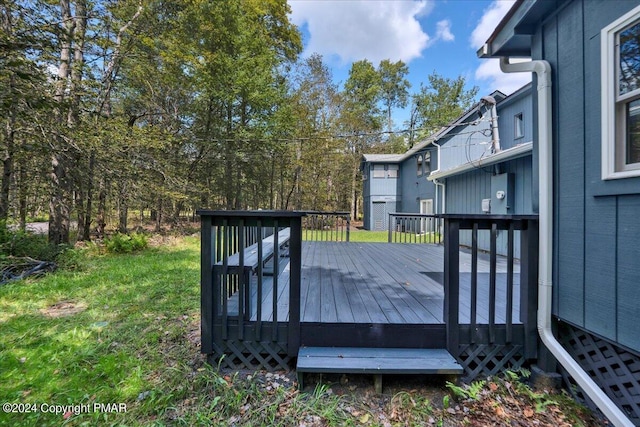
(413, 187)
(563, 49)
(628, 271)
(466, 191)
(506, 120)
(600, 267)
(596, 228)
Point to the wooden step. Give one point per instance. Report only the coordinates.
(377, 361)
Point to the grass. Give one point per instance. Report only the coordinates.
(125, 330)
(361, 236)
(108, 352)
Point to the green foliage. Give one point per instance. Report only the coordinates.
(438, 103)
(467, 391)
(18, 243)
(126, 243)
(394, 86)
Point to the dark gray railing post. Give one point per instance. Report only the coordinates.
(390, 239)
(295, 254)
(529, 288)
(452, 284)
(206, 285)
(348, 225)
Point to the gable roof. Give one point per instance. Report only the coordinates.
(382, 158)
(395, 158)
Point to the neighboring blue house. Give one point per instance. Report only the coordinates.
(493, 178)
(465, 168)
(398, 182)
(586, 64)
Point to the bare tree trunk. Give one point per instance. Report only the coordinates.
(123, 207)
(9, 132)
(158, 217)
(7, 160)
(102, 208)
(22, 196)
(59, 201)
(86, 235)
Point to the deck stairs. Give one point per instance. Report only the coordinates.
(376, 361)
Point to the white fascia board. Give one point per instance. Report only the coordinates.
(512, 153)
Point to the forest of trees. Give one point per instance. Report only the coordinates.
(114, 108)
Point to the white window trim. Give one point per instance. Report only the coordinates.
(517, 120)
(609, 78)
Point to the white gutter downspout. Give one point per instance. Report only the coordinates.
(439, 184)
(545, 256)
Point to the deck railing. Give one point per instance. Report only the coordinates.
(481, 343)
(414, 228)
(326, 226)
(242, 265)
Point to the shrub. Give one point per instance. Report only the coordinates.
(20, 243)
(125, 243)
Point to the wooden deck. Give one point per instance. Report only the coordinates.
(379, 284)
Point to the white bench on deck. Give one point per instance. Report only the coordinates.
(251, 259)
(377, 361)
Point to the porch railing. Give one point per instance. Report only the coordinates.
(414, 228)
(326, 226)
(489, 342)
(243, 275)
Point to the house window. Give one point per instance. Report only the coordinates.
(427, 163)
(620, 46)
(518, 126)
(392, 171)
(419, 165)
(378, 171)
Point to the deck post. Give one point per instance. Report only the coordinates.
(452, 284)
(529, 287)
(295, 253)
(206, 285)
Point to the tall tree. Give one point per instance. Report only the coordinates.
(315, 111)
(361, 120)
(437, 104)
(394, 86)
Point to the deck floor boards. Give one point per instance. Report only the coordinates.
(379, 283)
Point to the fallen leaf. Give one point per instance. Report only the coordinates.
(528, 412)
(364, 419)
(493, 386)
(500, 411)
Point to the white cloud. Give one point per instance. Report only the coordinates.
(443, 31)
(489, 70)
(355, 30)
(489, 21)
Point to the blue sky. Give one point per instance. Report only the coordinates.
(428, 35)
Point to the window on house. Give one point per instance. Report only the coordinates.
(392, 171)
(518, 126)
(378, 171)
(620, 46)
(419, 165)
(427, 163)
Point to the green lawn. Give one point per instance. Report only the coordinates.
(124, 331)
(362, 236)
(354, 235)
(133, 310)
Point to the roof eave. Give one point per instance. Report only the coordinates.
(503, 156)
(513, 35)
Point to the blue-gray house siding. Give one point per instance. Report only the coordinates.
(597, 226)
(471, 174)
(382, 194)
